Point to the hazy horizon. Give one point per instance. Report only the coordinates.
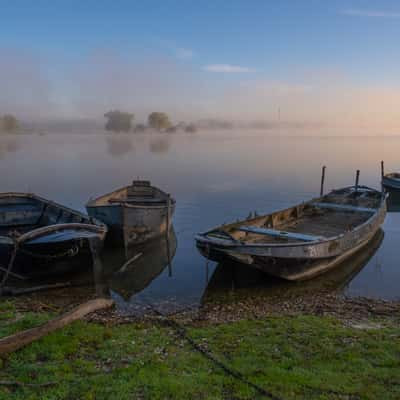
(321, 66)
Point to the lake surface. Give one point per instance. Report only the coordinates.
(215, 177)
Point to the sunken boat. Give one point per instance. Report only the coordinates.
(39, 235)
(134, 214)
(303, 241)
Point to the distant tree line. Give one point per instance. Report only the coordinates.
(8, 123)
(120, 121)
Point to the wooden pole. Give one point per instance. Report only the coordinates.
(168, 215)
(321, 193)
(382, 175)
(357, 179)
(167, 234)
(21, 339)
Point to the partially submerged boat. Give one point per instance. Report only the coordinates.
(35, 233)
(391, 181)
(302, 241)
(134, 214)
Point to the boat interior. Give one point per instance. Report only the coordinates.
(393, 175)
(23, 213)
(140, 193)
(331, 215)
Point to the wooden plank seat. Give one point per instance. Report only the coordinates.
(344, 207)
(281, 234)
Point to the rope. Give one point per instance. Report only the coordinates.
(73, 251)
(180, 330)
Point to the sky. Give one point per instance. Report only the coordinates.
(314, 61)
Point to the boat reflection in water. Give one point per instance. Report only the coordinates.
(393, 201)
(126, 273)
(243, 282)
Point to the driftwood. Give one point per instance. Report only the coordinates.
(13, 291)
(21, 339)
(22, 384)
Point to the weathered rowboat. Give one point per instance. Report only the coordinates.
(134, 214)
(35, 233)
(391, 181)
(302, 241)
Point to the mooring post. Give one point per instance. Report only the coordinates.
(321, 193)
(168, 223)
(382, 175)
(357, 179)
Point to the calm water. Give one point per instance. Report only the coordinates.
(215, 177)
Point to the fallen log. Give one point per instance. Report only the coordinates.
(21, 339)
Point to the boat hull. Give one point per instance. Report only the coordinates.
(48, 259)
(132, 225)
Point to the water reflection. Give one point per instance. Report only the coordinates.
(248, 282)
(126, 273)
(159, 145)
(9, 146)
(216, 176)
(119, 145)
(393, 201)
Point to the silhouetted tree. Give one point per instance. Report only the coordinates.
(8, 123)
(159, 120)
(119, 121)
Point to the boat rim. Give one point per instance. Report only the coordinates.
(202, 237)
(92, 202)
(95, 226)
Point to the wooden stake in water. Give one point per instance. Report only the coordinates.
(357, 179)
(168, 223)
(382, 175)
(321, 193)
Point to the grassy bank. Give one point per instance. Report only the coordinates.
(293, 357)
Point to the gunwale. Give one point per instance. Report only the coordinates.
(104, 200)
(88, 223)
(246, 247)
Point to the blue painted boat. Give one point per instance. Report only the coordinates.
(36, 233)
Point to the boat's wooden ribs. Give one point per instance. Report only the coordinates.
(281, 234)
(344, 207)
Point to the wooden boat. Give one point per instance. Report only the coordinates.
(252, 282)
(391, 181)
(302, 241)
(35, 233)
(134, 214)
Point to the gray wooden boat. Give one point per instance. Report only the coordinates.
(391, 181)
(302, 241)
(35, 233)
(134, 214)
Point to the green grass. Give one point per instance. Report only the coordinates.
(293, 357)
